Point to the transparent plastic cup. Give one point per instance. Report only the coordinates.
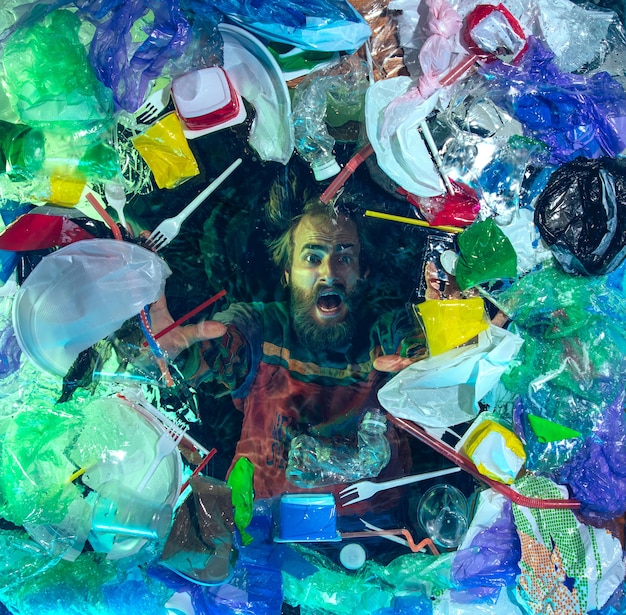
(443, 513)
(123, 511)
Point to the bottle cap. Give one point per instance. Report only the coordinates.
(352, 556)
(325, 170)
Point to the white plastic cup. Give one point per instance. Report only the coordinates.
(121, 510)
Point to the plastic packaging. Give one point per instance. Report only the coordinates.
(315, 462)
(344, 81)
(496, 451)
(450, 323)
(305, 517)
(580, 215)
(165, 149)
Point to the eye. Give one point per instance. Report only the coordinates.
(345, 259)
(312, 259)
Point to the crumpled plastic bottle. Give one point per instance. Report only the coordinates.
(345, 82)
(315, 462)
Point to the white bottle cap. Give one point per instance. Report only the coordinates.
(325, 170)
(352, 556)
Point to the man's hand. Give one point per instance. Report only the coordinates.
(182, 337)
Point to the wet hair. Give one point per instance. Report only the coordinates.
(281, 248)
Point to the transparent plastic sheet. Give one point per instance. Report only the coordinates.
(573, 32)
(331, 589)
(561, 318)
(325, 25)
(580, 215)
(574, 115)
(315, 462)
(563, 561)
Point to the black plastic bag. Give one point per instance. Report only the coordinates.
(581, 215)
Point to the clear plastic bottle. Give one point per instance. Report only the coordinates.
(315, 462)
(345, 82)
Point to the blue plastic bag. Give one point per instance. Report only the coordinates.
(325, 25)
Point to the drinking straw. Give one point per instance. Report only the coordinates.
(414, 221)
(198, 469)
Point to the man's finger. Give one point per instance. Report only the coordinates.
(392, 363)
(207, 330)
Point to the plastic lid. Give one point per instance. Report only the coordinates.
(352, 556)
(325, 170)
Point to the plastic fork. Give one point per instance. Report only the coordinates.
(366, 489)
(166, 443)
(152, 107)
(170, 227)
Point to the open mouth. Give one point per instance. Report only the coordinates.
(329, 303)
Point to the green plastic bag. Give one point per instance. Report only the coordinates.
(486, 255)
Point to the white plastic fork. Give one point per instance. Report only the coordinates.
(153, 106)
(170, 227)
(367, 488)
(166, 443)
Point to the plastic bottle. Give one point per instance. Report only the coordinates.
(344, 82)
(21, 150)
(315, 462)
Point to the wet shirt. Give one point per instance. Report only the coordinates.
(285, 390)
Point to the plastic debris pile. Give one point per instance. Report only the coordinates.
(497, 130)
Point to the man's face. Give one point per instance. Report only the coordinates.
(325, 279)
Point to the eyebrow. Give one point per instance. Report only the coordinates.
(322, 248)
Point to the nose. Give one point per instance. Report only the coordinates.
(327, 271)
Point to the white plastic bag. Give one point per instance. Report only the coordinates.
(444, 390)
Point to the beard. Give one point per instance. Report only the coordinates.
(324, 337)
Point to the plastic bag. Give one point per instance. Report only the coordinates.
(564, 562)
(165, 149)
(582, 217)
(574, 115)
(488, 558)
(595, 473)
(50, 88)
(326, 25)
(136, 43)
(486, 255)
(445, 390)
